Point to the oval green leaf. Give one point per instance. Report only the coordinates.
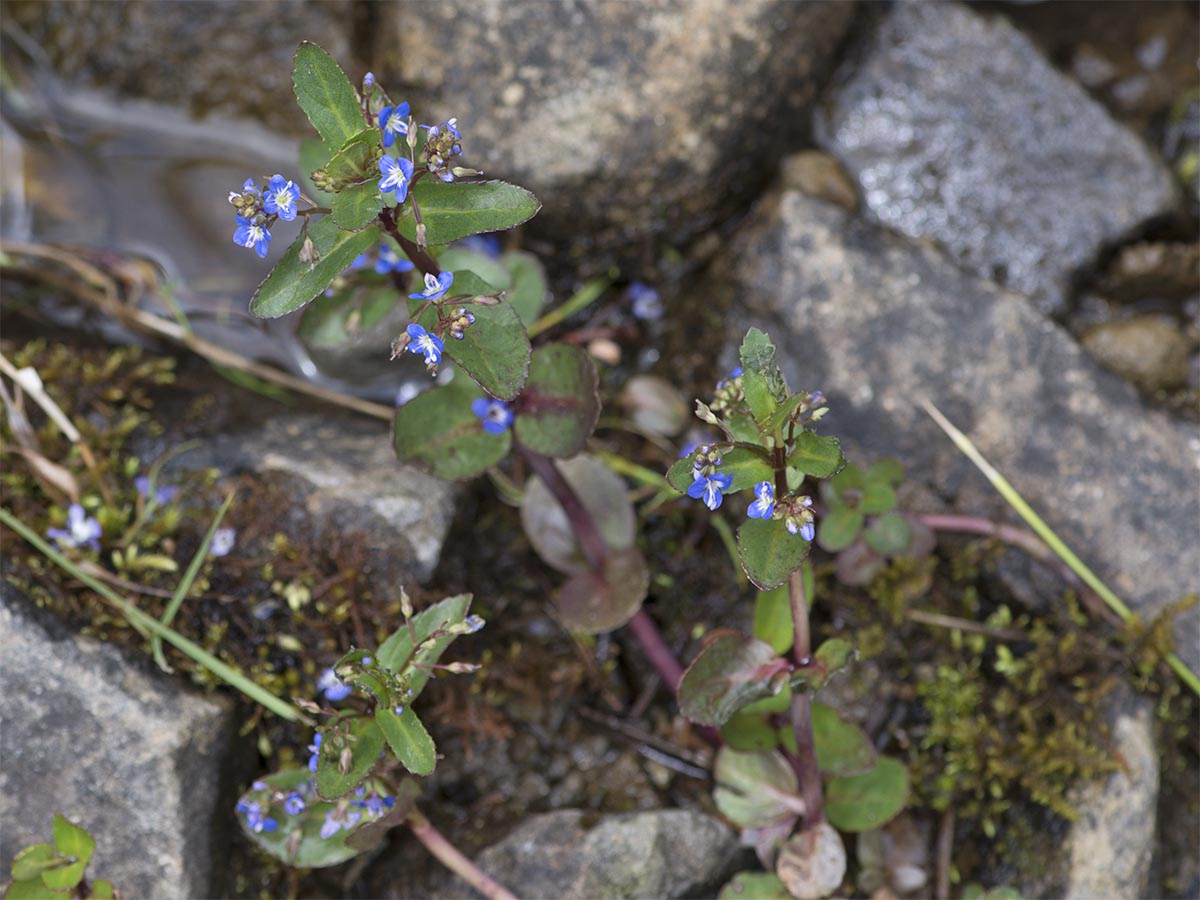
(769, 553)
(409, 740)
(595, 603)
(749, 732)
(357, 206)
(888, 535)
(528, 290)
(837, 529)
(731, 671)
(864, 802)
(292, 284)
(455, 210)
(842, 747)
(773, 619)
(817, 455)
(326, 96)
(754, 790)
(439, 432)
(332, 783)
(558, 409)
(754, 886)
(495, 350)
(309, 850)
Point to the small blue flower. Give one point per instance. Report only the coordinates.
(164, 494)
(293, 804)
(252, 237)
(374, 806)
(495, 414)
(807, 531)
(335, 823)
(709, 488)
(435, 286)
(397, 173)
(647, 305)
(474, 623)
(222, 541)
(421, 341)
(334, 689)
(368, 81)
(81, 530)
(391, 261)
(281, 198)
(764, 506)
(393, 120)
(315, 749)
(257, 821)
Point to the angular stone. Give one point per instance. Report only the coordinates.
(123, 751)
(347, 478)
(664, 853)
(957, 129)
(878, 323)
(626, 119)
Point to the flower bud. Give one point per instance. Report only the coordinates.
(705, 414)
(463, 172)
(421, 241)
(308, 252)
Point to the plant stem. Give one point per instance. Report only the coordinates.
(454, 859)
(655, 648)
(805, 761)
(1016, 537)
(422, 260)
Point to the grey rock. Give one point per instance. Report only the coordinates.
(125, 752)
(957, 129)
(1151, 350)
(205, 56)
(626, 119)
(560, 855)
(879, 323)
(347, 478)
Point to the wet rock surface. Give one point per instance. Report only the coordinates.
(124, 751)
(626, 120)
(347, 479)
(958, 130)
(879, 323)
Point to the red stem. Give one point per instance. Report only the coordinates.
(422, 260)
(454, 859)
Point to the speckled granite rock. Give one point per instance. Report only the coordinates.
(957, 129)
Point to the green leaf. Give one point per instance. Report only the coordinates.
(439, 432)
(749, 732)
(780, 703)
(34, 860)
(773, 619)
(408, 739)
(326, 96)
(758, 369)
(743, 428)
(297, 841)
(356, 160)
(560, 405)
(33, 889)
(837, 529)
(745, 466)
(754, 790)
(816, 455)
(292, 283)
(332, 783)
(779, 419)
(495, 350)
(889, 534)
(357, 206)
(754, 886)
(842, 747)
(528, 291)
(348, 314)
(595, 603)
(848, 483)
(313, 155)
(71, 840)
(731, 671)
(455, 210)
(103, 890)
(886, 471)
(864, 802)
(769, 553)
(460, 259)
(877, 498)
(833, 655)
(397, 651)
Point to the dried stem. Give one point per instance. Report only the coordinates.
(805, 760)
(454, 859)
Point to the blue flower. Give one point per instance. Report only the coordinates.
(474, 623)
(222, 541)
(421, 341)
(709, 488)
(252, 237)
(807, 531)
(393, 120)
(495, 414)
(645, 300)
(764, 506)
(315, 749)
(81, 529)
(164, 494)
(255, 819)
(435, 286)
(334, 689)
(293, 804)
(391, 261)
(335, 823)
(281, 198)
(397, 173)
(368, 81)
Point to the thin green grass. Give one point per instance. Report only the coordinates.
(1046, 533)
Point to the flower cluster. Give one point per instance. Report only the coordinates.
(441, 146)
(729, 392)
(82, 530)
(461, 321)
(707, 483)
(257, 209)
(347, 813)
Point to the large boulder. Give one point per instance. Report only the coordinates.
(957, 129)
(626, 119)
(880, 323)
(124, 751)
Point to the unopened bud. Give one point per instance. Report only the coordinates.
(345, 760)
(421, 241)
(308, 252)
(406, 607)
(819, 414)
(705, 414)
(411, 137)
(463, 172)
(461, 668)
(307, 705)
(368, 81)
